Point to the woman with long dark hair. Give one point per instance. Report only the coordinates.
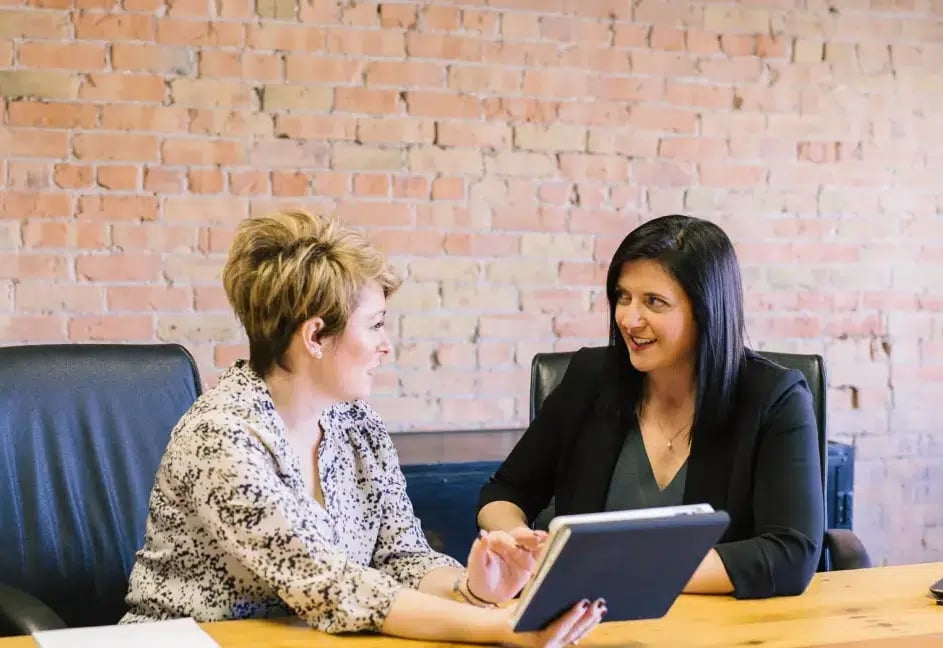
(677, 410)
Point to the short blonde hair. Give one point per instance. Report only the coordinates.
(288, 267)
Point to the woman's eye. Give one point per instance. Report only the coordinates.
(623, 298)
(656, 302)
(379, 325)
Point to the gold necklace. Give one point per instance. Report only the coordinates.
(670, 441)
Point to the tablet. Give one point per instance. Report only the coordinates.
(639, 561)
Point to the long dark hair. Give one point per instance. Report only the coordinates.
(700, 256)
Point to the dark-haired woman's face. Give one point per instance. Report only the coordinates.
(655, 318)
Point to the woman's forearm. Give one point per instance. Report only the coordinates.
(710, 577)
(501, 516)
(418, 615)
(439, 582)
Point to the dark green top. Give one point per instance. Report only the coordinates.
(633, 484)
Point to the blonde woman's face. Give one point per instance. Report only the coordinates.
(352, 356)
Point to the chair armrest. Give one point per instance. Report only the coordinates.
(23, 614)
(846, 550)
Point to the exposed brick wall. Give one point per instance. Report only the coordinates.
(498, 149)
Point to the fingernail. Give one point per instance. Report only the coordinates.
(482, 533)
(584, 604)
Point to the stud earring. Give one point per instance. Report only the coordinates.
(317, 353)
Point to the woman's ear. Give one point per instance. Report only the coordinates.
(312, 338)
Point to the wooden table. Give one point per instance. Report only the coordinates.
(887, 607)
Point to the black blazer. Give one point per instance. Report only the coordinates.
(764, 469)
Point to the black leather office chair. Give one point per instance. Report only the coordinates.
(82, 430)
(843, 549)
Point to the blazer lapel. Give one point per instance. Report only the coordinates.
(594, 454)
(710, 465)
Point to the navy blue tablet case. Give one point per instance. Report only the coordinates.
(639, 566)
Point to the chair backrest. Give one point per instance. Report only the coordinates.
(82, 430)
(547, 370)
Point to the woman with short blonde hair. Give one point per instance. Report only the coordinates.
(280, 491)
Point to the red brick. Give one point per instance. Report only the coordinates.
(397, 16)
(820, 152)
(204, 209)
(771, 46)
(130, 117)
(411, 186)
(328, 127)
(332, 183)
(111, 328)
(444, 188)
(302, 67)
(24, 204)
(383, 42)
(692, 149)
(205, 180)
(404, 74)
(122, 87)
(529, 218)
(91, 25)
(245, 183)
(520, 109)
(664, 38)
(31, 328)
(602, 59)
(290, 183)
(483, 244)
(210, 93)
(579, 166)
(118, 267)
(395, 130)
(211, 298)
(442, 46)
(409, 242)
(214, 240)
(154, 237)
(33, 143)
(442, 105)
(363, 100)
(473, 134)
(240, 65)
(33, 266)
(162, 181)
(200, 34)
(27, 176)
(699, 41)
(486, 23)
(68, 235)
(729, 175)
(663, 63)
(115, 207)
(484, 79)
(118, 178)
(629, 35)
(372, 184)
(149, 298)
(569, 29)
(71, 56)
(193, 151)
(73, 176)
(364, 213)
(54, 297)
(661, 118)
(188, 8)
(108, 146)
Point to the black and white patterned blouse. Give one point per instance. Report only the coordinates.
(233, 532)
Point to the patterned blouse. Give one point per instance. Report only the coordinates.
(233, 532)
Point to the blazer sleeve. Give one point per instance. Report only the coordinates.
(788, 505)
(526, 477)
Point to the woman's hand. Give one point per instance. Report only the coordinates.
(501, 562)
(569, 629)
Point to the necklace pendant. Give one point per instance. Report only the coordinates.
(669, 445)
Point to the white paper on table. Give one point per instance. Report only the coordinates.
(178, 633)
